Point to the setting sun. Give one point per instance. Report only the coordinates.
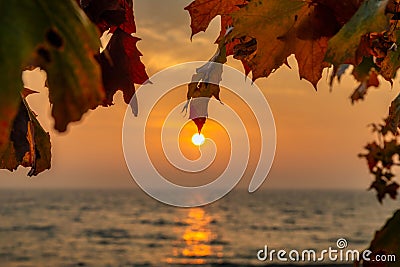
(198, 139)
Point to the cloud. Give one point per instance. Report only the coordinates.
(166, 35)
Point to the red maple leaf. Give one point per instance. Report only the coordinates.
(121, 66)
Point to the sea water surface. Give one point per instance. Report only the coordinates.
(128, 228)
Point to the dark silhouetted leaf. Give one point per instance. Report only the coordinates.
(29, 144)
(386, 242)
(110, 14)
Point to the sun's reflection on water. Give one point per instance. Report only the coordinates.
(196, 245)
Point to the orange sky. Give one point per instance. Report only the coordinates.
(319, 133)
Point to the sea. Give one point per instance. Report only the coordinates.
(128, 228)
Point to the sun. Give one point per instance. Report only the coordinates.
(198, 139)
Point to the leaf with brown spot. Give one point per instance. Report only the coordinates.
(60, 39)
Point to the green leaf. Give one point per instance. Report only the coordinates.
(370, 17)
(58, 37)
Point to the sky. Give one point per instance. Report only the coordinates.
(319, 134)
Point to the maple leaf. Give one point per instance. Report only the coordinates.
(391, 190)
(373, 155)
(380, 187)
(381, 154)
(202, 12)
(390, 148)
(380, 159)
(370, 17)
(376, 45)
(383, 187)
(60, 40)
(286, 27)
(121, 66)
(120, 61)
(201, 17)
(112, 14)
(104, 13)
(29, 144)
(129, 25)
(204, 85)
